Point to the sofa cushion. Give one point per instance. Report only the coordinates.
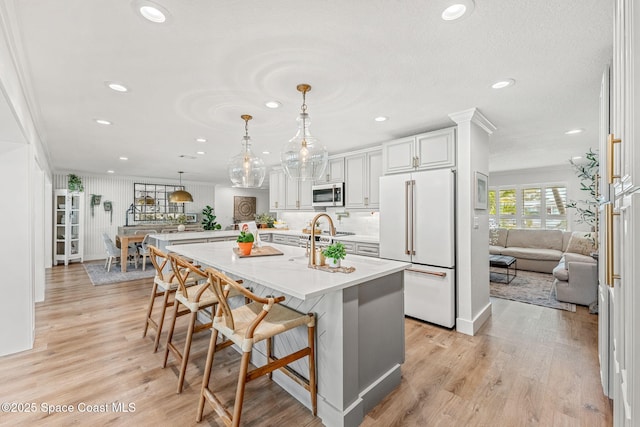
(572, 257)
(581, 243)
(566, 236)
(538, 254)
(495, 250)
(498, 236)
(538, 239)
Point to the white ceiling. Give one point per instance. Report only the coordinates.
(214, 60)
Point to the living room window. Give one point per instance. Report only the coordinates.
(529, 206)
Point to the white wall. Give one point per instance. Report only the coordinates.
(119, 190)
(548, 175)
(17, 309)
(224, 202)
(472, 239)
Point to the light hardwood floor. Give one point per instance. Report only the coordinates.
(528, 366)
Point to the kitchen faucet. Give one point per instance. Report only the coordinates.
(332, 232)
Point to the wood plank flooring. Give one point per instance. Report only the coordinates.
(528, 366)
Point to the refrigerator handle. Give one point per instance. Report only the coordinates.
(432, 273)
(413, 195)
(406, 217)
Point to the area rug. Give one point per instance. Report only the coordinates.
(99, 276)
(529, 287)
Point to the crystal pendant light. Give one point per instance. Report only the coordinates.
(303, 157)
(180, 196)
(246, 169)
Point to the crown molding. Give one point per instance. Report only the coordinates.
(475, 116)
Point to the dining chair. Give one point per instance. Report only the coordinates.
(113, 253)
(143, 249)
(261, 319)
(165, 284)
(196, 299)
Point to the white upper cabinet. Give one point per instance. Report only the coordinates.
(431, 150)
(277, 190)
(298, 194)
(334, 172)
(362, 173)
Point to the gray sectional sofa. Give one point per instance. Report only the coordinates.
(563, 253)
(535, 250)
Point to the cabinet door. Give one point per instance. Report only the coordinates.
(277, 186)
(436, 149)
(334, 171)
(292, 201)
(355, 186)
(374, 172)
(398, 155)
(305, 195)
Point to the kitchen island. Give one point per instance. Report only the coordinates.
(360, 322)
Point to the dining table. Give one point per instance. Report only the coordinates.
(124, 240)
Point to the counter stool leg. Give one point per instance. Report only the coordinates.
(150, 308)
(313, 389)
(170, 334)
(207, 372)
(242, 381)
(165, 300)
(187, 350)
(269, 344)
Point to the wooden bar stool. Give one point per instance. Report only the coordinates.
(262, 319)
(164, 284)
(195, 299)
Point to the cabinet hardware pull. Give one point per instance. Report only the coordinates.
(610, 275)
(432, 273)
(610, 141)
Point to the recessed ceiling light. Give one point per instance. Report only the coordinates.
(574, 131)
(501, 84)
(153, 14)
(381, 119)
(124, 158)
(456, 9)
(103, 122)
(110, 171)
(200, 152)
(201, 140)
(266, 152)
(272, 104)
(118, 87)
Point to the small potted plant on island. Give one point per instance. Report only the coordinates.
(334, 253)
(265, 220)
(245, 243)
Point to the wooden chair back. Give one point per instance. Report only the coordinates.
(184, 270)
(221, 284)
(159, 259)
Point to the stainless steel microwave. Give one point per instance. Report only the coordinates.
(328, 194)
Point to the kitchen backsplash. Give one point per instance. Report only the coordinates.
(363, 223)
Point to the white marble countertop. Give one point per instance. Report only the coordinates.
(190, 235)
(288, 273)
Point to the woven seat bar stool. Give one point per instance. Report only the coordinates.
(165, 284)
(195, 299)
(262, 319)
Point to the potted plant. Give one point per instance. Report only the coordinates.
(245, 242)
(265, 220)
(181, 220)
(209, 219)
(334, 253)
(75, 183)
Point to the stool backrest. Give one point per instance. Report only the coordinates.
(183, 270)
(159, 259)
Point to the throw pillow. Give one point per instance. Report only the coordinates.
(580, 243)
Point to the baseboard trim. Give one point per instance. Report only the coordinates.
(470, 327)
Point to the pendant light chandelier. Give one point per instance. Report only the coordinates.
(246, 170)
(180, 196)
(303, 157)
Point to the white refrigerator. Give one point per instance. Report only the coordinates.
(417, 225)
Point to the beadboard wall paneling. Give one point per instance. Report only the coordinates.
(119, 190)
